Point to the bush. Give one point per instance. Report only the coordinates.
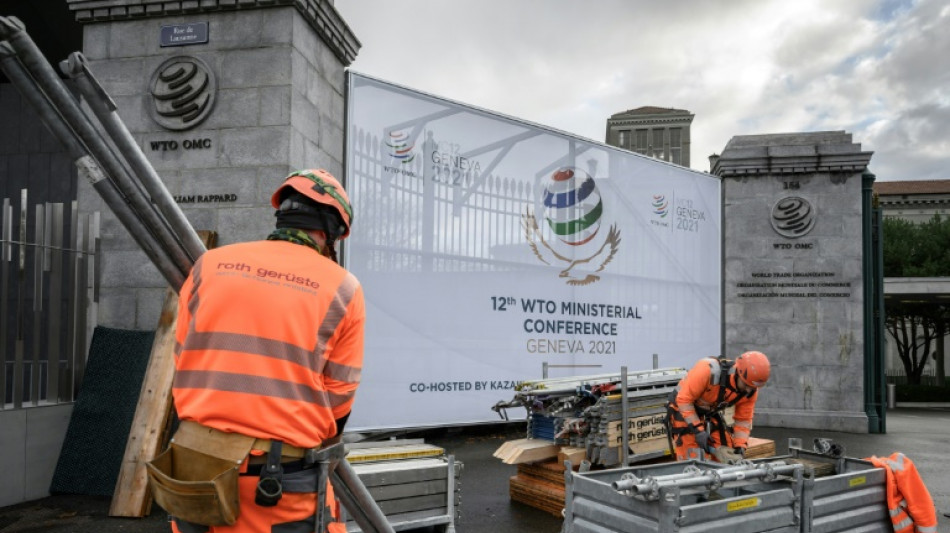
(922, 393)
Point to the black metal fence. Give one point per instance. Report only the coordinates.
(48, 300)
(899, 377)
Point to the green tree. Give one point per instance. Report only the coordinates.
(916, 250)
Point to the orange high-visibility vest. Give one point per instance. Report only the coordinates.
(699, 391)
(908, 501)
(269, 342)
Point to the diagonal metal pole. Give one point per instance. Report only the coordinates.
(88, 167)
(77, 68)
(13, 31)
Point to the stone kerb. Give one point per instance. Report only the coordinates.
(792, 272)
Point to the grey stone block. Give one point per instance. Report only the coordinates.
(235, 30)
(201, 218)
(95, 40)
(133, 113)
(255, 67)
(325, 160)
(276, 25)
(305, 117)
(244, 224)
(275, 106)
(254, 146)
(116, 307)
(129, 269)
(235, 108)
(148, 307)
(123, 77)
(134, 38)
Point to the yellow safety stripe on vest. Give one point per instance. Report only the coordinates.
(335, 312)
(261, 386)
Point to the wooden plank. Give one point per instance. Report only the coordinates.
(533, 450)
(389, 453)
(150, 425)
(574, 455)
(506, 447)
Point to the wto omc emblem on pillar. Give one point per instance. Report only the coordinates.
(571, 236)
(182, 91)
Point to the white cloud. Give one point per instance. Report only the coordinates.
(874, 68)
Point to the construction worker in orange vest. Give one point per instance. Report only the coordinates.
(695, 418)
(269, 351)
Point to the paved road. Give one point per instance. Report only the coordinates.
(922, 434)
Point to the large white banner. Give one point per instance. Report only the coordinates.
(488, 246)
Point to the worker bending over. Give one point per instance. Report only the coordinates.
(695, 412)
(268, 358)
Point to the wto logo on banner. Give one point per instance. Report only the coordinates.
(400, 148)
(660, 208)
(573, 211)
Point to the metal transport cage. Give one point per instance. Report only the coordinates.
(686, 496)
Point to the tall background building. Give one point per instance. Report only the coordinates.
(659, 132)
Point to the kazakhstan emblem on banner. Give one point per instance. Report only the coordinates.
(572, 207)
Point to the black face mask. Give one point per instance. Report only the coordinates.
(298, 212)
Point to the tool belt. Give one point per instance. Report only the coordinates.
(196, 478)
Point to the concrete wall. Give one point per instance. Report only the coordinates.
(31, 440)
(278, 107)
(797, 297)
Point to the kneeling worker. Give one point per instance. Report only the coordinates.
(268, 358)
(695, 411)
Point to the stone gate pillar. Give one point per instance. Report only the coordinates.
(792, 285)
(266, 96)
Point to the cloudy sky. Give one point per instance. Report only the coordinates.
(878, 69)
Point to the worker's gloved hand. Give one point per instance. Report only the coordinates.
(702, 440)
(727, 456)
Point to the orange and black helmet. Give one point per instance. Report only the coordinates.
(321, 187)
(753, 368)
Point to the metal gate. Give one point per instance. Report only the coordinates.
(48, 300)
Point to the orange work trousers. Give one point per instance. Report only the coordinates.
(684, 442)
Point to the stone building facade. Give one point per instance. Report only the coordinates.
(659, 132)
(274, 102)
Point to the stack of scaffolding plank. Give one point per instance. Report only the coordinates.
(415, 484)
(587, 412)
(539, 485)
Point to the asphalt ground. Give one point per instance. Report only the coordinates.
(923, 435)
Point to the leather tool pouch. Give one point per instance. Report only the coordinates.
(196, 478)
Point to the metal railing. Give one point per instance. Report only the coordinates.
(48, 301)
(898, 376)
